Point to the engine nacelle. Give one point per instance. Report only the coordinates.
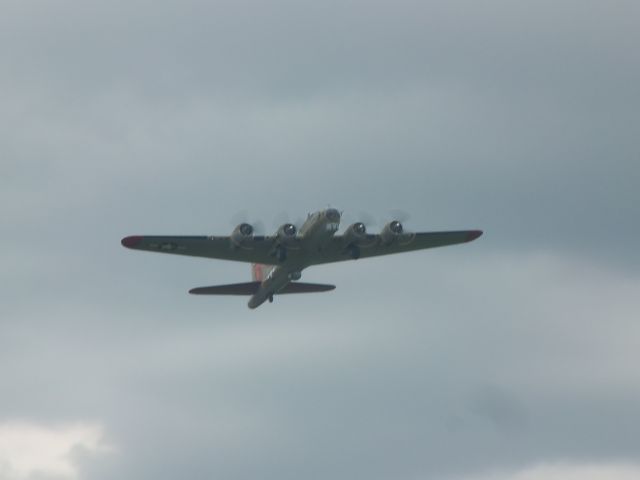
(287, 233)
(391, 232)
(295, 275)
(355, 234)
(241, 234)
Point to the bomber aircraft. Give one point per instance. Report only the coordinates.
(278, 260)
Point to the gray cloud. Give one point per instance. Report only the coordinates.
(129, 118)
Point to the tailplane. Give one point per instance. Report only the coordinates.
(259, 273)
(250, 288)
(302, 287)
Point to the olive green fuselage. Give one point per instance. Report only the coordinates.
(314, 233)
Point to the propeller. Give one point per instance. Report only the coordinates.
(242, 216)
(368, 219)
(400, 215)
(371, 221)
(283, 217)
(363, 217)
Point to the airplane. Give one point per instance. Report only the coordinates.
(278, 260)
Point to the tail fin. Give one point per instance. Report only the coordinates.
(260, 271)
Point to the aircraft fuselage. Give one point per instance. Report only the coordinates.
(316, 230)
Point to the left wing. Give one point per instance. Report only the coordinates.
(257, 250)
(374, 246)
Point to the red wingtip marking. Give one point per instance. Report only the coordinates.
(473, 234)
(131, 242)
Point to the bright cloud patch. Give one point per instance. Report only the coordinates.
(27, 449)
(568, 472)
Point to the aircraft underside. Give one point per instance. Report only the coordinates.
(278, 260)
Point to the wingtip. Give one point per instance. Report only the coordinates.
(473, 234)
(131, 241)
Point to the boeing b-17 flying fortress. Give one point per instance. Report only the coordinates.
(278, 260)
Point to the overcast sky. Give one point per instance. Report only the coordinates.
(510, 358)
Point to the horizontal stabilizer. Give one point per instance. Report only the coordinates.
(249, 288)
(301, 287)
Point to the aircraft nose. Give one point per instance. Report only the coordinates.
(332, 214)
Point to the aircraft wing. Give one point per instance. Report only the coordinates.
(258, 250)
(406, 242)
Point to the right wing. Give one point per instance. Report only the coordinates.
(257, 250)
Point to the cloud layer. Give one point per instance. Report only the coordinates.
(515, 351)
(568, 472)
(29, 450)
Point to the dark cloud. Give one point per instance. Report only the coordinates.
(138, 117)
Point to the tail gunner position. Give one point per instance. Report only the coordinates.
(278, 260)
